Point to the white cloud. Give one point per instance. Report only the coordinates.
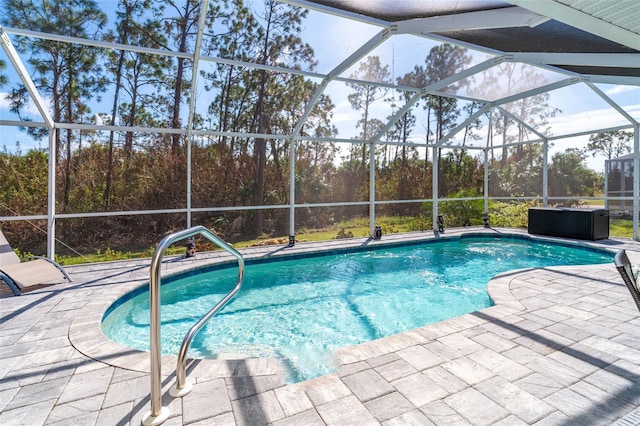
(4, 102)
(591, 120)
(31, 110)
(620, 89)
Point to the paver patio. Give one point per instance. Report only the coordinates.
(561, 346)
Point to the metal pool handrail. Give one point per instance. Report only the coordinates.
(158, 413)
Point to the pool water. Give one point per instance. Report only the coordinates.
(300, 310)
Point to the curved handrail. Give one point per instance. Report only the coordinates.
(186, 342)
(154, 307)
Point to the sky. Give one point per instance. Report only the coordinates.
(334, 39)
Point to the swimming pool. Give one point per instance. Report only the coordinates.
(300, 310)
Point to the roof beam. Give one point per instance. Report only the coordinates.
(15, 60)
(461, 75)
(522, 122)
(588, 132)
(434, 87)
(610, 101)
(616, 60)
(97, 43)
(581, 20)
(612, 79)
(365, 49)
(481, 20)
(465, 123)
(542, 89)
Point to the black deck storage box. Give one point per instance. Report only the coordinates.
(581, 224)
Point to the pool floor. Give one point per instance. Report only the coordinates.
(560, 347)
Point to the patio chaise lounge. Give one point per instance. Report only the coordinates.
(628, 276)
(20, 276)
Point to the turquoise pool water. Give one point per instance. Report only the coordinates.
(300, 310)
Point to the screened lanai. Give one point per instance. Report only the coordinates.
(124, 120)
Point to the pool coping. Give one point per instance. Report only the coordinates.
(86, 336)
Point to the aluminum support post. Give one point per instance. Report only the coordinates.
(486, 181)
(51, 196)
(545, 172)
(372, 189)
(434, 186)
(292, 192)
(636, 179)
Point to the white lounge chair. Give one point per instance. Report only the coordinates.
(20, 276)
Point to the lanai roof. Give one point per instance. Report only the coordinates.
(571, 35)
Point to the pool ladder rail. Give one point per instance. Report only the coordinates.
(158, 414)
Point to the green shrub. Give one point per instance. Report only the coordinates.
(511, 214)
(420, 223)
(459, 212)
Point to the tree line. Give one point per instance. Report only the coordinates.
(106, 171)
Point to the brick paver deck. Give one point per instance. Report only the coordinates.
(561, 346)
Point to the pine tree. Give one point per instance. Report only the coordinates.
(67, 73)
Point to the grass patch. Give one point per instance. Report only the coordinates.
(357, 228)
(621, 228)
(110, 255)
